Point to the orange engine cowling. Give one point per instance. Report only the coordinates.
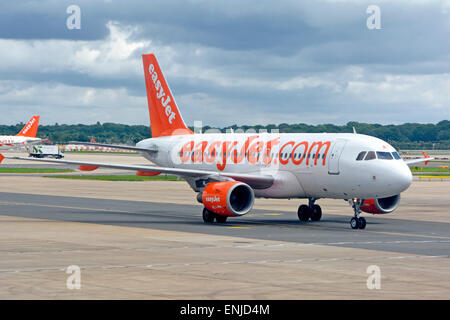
(229, 198)
(381, 205)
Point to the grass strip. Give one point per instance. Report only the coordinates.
(429, 169)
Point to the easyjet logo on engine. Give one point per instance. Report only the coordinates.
(161, 95)
(212, 199)
(254, 150)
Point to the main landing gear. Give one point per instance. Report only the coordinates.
(209, 217)
(311, 211)
(357, 222)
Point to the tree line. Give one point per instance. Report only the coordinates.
(403, 136)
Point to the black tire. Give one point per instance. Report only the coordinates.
(303, 212)
(316, 214)
(354, 223)
(221, 219)
(208, 216)
(362, 223)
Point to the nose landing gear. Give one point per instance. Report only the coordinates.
(357, 222)
(311, 211)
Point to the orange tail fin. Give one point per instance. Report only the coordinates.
(165, 117)
(30, 129)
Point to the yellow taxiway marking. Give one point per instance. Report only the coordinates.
(272, 214)
(238, 227)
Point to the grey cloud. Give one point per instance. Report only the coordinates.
(249, 58)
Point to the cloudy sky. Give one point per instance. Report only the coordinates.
(227, 62)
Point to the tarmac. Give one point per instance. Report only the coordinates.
(147, 240)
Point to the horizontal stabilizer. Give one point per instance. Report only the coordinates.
(113, 146)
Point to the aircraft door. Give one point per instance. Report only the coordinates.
(333, 162)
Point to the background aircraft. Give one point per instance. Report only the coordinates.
(26, 135)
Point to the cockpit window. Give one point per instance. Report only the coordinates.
(384, 155)
(361, 155)
(370, 155)
(396, 155)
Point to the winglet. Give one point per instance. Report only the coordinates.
(426, 156)
(2, 157)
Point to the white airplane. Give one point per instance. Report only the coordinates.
(228, 171)
(26, 135)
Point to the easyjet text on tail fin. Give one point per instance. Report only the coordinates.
(30, 129)
(165, 117)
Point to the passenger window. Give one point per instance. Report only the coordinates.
(361, 156)
(384, 155)
(396, 155)
(370, 155)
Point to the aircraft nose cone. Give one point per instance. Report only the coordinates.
(404, 178)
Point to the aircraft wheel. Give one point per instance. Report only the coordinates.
(303, 213)
(362, 223)
(221, 219)
(316, 214)
(354, 223)
(208, 216)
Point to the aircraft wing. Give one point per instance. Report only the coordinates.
(253, 180)
(414, 161)
(114, 146)
(33, 142)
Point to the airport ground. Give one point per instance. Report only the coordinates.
(147, 240)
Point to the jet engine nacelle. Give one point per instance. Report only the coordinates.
(229, 198)
(381, 205)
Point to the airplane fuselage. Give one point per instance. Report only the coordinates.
(303, 165)
(11, 141)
